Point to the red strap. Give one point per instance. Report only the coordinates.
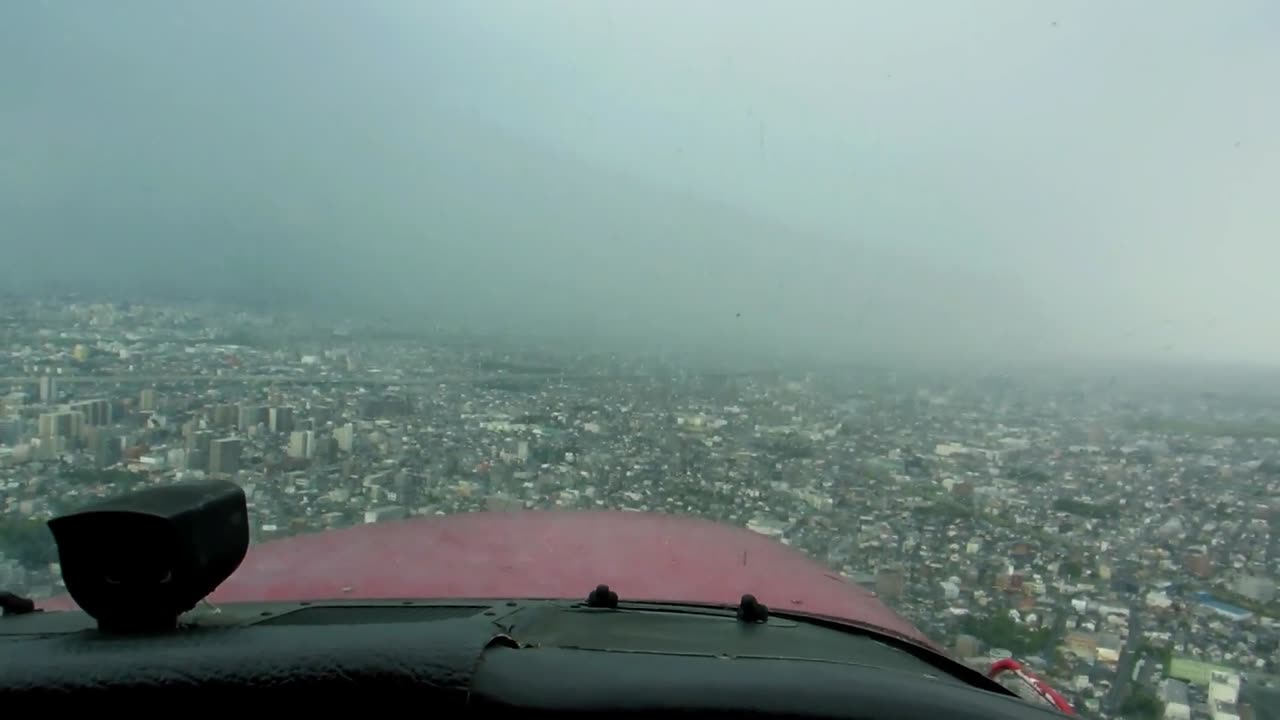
(1042, 688)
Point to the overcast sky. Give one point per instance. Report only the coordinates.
(941, 179)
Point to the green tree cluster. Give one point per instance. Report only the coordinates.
(1003, 632)
(91, 476)
(27, 541)
(786, 447)
(1072, 569)
(1028, 474)
(1085, 509)
(1142, 705)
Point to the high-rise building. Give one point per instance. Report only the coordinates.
(250, 417)
(148, 400)
(224, 456)
(324, 449)
(280, 419)
(96, 412)
(302, 444)
(225, 415)
(64, 424)
(48, 389)
(200, 441)
(346, 437)
(104, 445)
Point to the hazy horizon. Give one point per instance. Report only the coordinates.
(980, 183)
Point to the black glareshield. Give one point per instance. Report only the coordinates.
(136, 562)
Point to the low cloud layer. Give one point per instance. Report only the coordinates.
(981, 181)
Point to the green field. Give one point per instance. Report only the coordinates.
(1194, 671)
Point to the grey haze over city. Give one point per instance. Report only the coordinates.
(959, 181)
(952, 319)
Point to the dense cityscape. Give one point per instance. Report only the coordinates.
(1119, 537)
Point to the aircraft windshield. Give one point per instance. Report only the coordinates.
(972, 305)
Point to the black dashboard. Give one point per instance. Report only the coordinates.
(532, 657)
